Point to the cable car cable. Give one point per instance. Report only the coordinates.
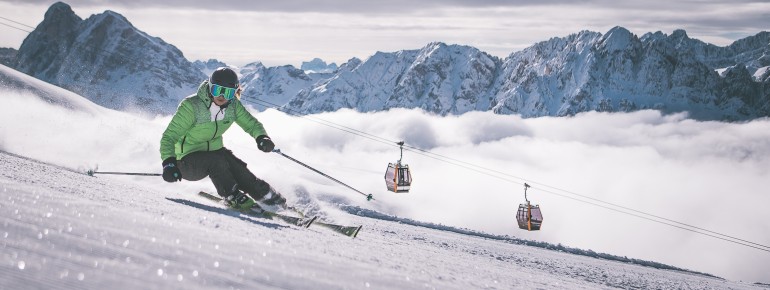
(669, 224)
(359, 133)
(22, 24)
(384, 140)
(14, 27)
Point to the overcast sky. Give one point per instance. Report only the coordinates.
(289, 32)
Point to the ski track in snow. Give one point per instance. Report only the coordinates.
(66, 230)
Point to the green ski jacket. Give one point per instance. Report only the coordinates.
(192, 128)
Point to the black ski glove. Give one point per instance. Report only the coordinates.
(171, 172)
(265, 144)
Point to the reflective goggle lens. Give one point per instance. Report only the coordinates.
(228, 93)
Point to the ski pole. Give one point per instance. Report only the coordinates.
(92, 172)
(368, 196)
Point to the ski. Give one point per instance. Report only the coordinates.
(350, 231)
(261, 213)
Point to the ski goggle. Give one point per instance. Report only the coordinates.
(228, 93)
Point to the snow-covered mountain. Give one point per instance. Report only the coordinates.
(587, 71)
(618, 71)
(112, 63)
(266, 87)
(440, 78)
(108, 60)
(207, 67)
(317, 65)
(274, 85)
(752, 52)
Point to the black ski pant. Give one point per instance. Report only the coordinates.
(227, 172)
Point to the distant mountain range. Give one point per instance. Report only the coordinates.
(209, 66)
(109, 61)
(274, 86)
(587, 71)
(317, 65)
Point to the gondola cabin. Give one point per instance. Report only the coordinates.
(398, 178)
(529, 216)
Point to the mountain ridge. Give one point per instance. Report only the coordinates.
(114, 64)
(586, 71)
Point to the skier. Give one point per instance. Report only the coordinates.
(192, 147)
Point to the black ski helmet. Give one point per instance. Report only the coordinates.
(224, 76)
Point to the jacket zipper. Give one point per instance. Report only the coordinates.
(216, 129)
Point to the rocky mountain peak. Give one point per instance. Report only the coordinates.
(618, 39)
(58, 23)
(107, 60)
(679, 34)
(59, 10)
(351, 64)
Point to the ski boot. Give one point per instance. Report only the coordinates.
(273, 199)
(239, 200)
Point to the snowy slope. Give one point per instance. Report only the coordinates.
(62, 229)
(69, 124)
(11, 79)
